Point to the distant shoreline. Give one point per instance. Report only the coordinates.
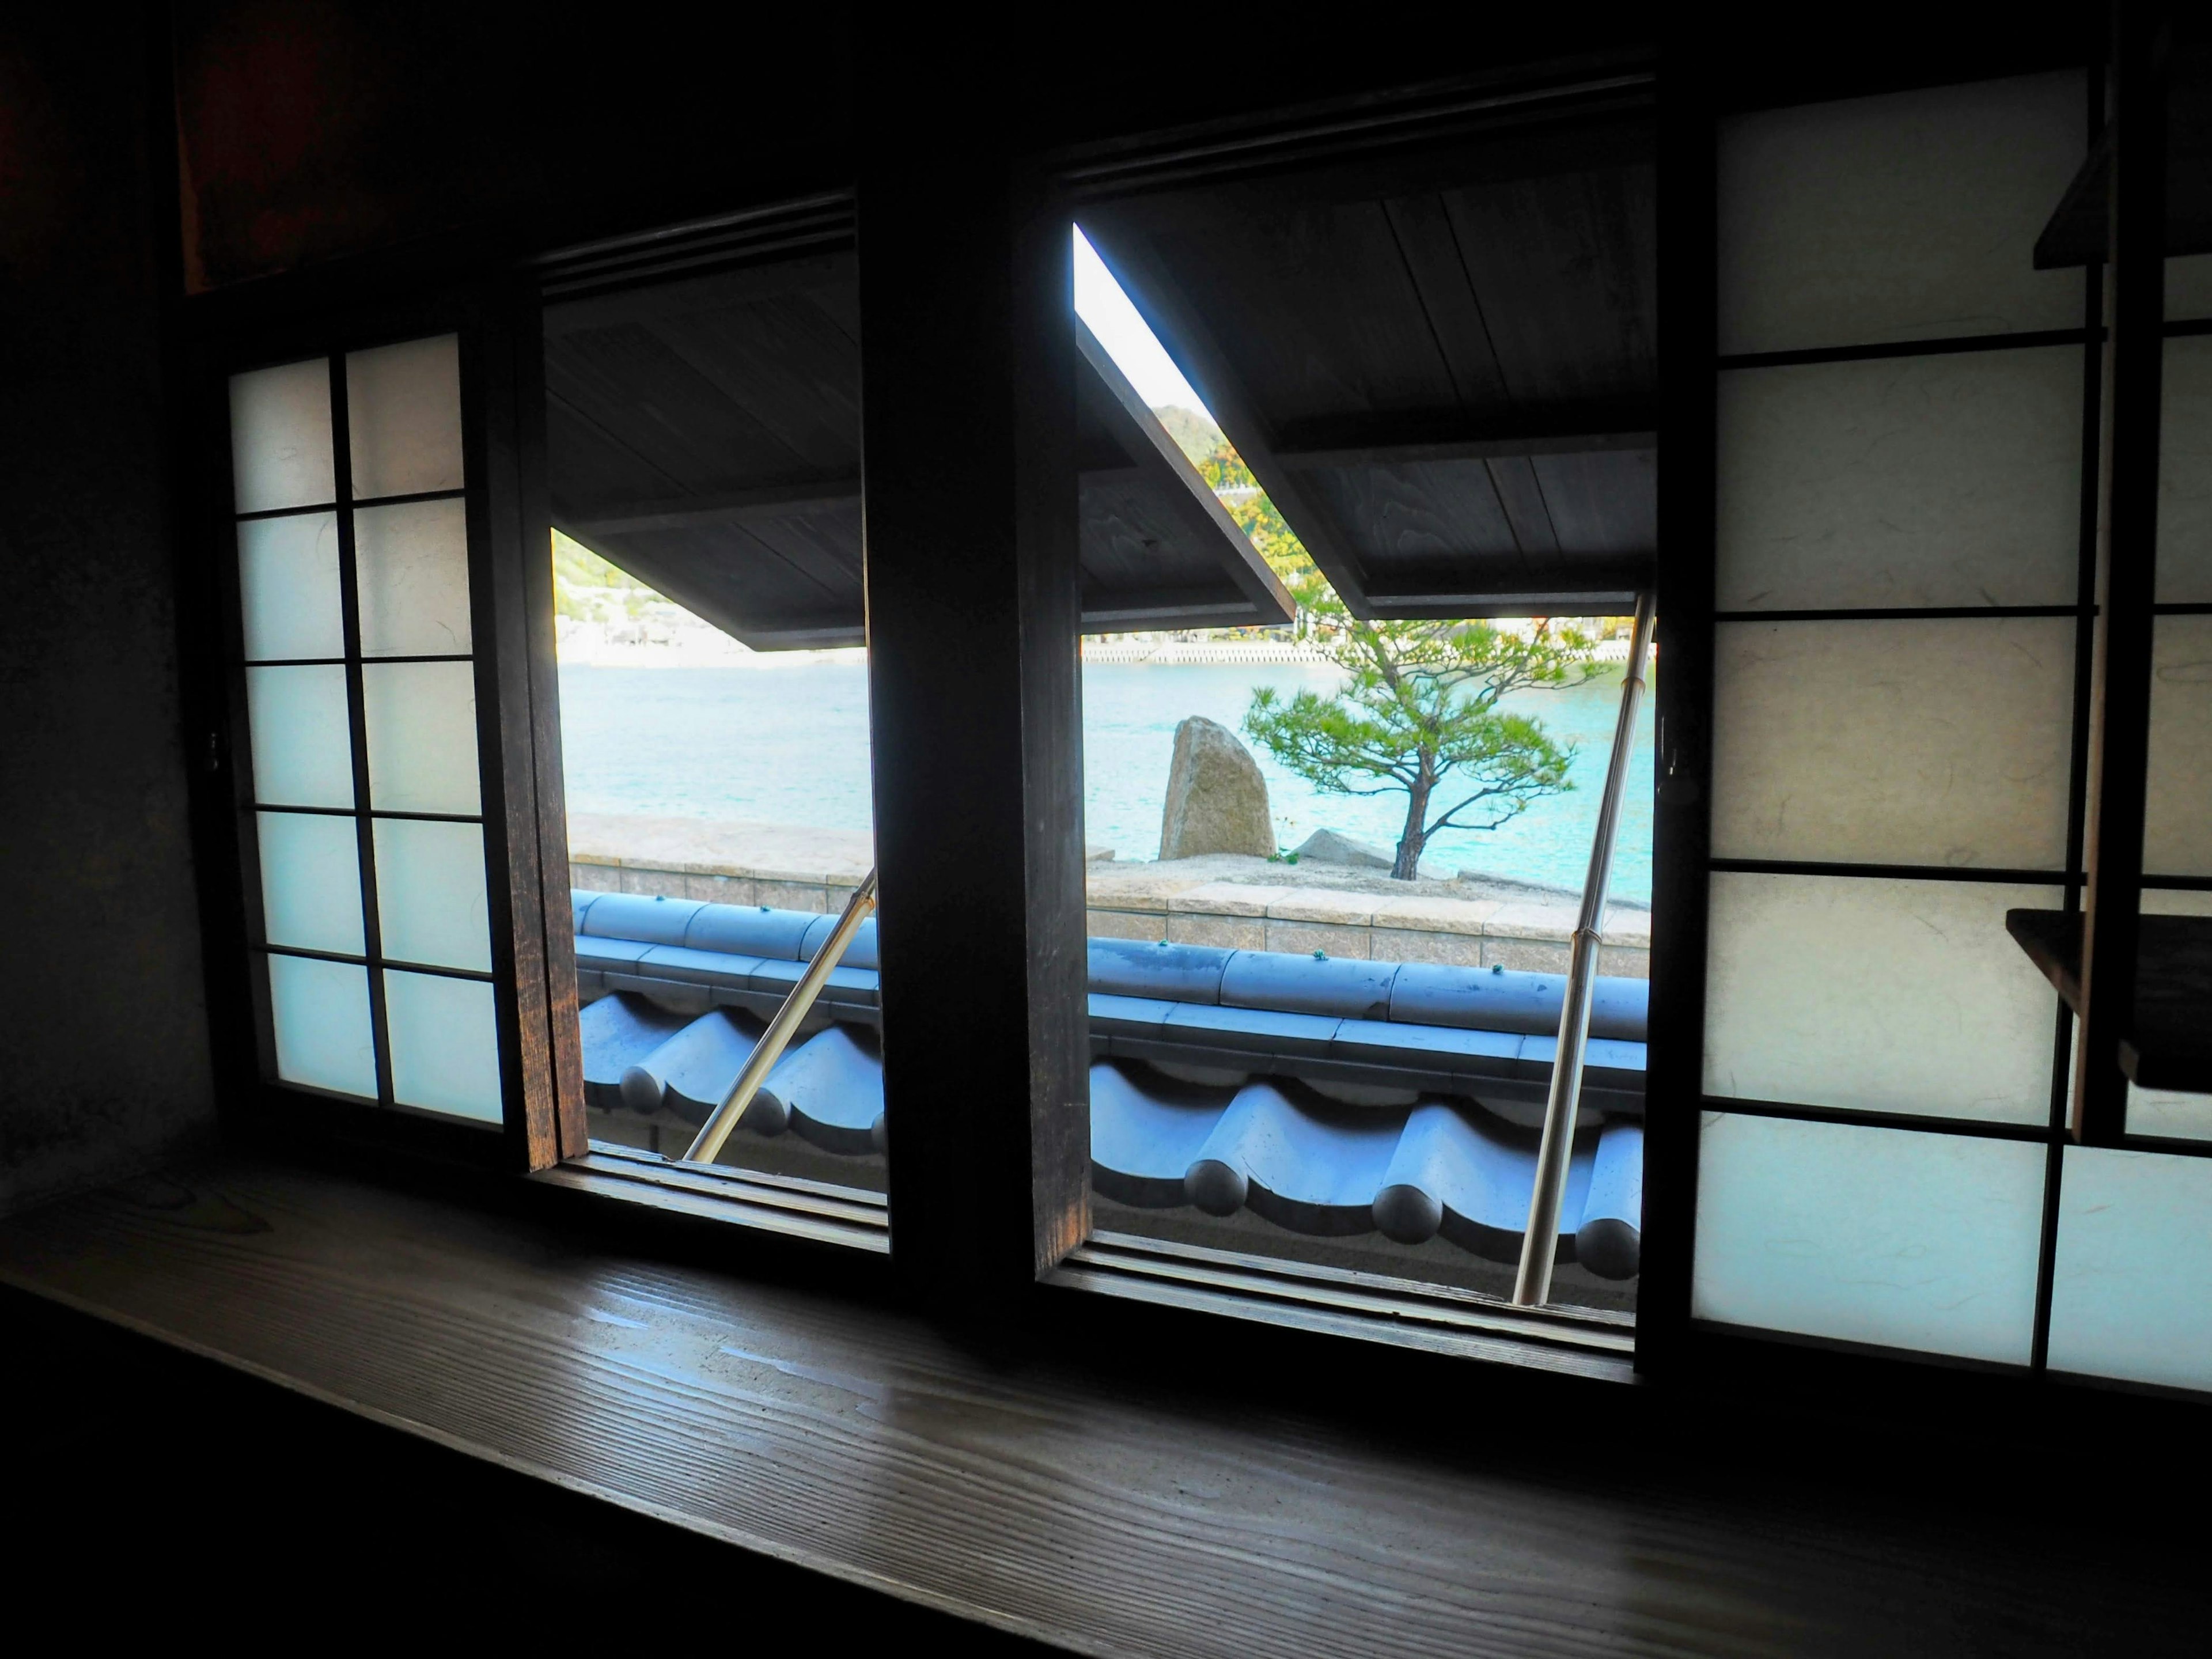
(705, 647)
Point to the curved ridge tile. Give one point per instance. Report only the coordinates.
(1178, 973)
(748, 930)
(1309, 1166)
(860, 953)
(1346, 987)
(649, 919)
(830, 1089)
(1609, 1240)
(618, 1031)
(1145, 1136)
(689, 1073)
(1466, 1175)
(1504, 1000)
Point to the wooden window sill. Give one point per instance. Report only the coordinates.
(1159, 1505)
(778, 1204)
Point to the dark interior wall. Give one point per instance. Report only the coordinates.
(314, 130)
(311, 131)
(103, 1045)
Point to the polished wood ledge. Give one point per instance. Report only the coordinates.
(1129, 1506)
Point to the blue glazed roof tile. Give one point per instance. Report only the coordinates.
(1144, 1141)
(689, 1073)
(843, 984)
(610, 953)
(649, 919)
(619, 1031)
(859, 953)
(1498, 999)
(679, 994)
(695, 967)
(1447, 1165)
(1470, 1177)
(748, 931)
(1346, 986)
(1609, 1236)
(1468, 1053)
(1607, 1062)
(1262, 1031)
(832, 1087)
(1305, 1163)
(1180, 973)
(1120, 1016)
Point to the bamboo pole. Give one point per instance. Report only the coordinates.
(1539, 1244)
(774, 1040)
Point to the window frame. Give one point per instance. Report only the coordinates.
(540, 1073)
(1672, 1340)
(1000, 1224)
(1411, 125)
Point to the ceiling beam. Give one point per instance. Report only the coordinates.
(1381, 142)
(1454, 435)
(1114, 613)
(1490, 586)
(730, 506)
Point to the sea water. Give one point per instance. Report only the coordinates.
(786, 742)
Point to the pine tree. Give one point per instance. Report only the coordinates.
(1418, 712)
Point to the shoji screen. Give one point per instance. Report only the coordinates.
(1899, 546)
(368, 827)
(2132, 1285)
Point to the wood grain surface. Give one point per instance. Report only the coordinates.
(1045, 1500)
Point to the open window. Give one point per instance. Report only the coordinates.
(1338, 855)
(702, 442)
(1385, 404)
(705, 482)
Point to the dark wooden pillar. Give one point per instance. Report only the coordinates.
(968, 436)
(1683, 683)
(519, 729)
(2127, 568)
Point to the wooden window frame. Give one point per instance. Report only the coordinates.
(532, 965)
(989, 1177)
(1672, 1341)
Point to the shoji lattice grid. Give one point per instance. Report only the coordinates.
(1904, 537)
(352, 561)
(1897, 561)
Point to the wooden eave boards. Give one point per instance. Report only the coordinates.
(705, 438)
(1442, 368)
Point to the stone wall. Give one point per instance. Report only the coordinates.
(1189, 902)
(723, 863)
(1468, 932)
(778, 889)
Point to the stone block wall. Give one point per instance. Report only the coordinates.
(1466, 933)
(1241, 902)
(817, 890)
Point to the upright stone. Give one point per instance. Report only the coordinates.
(1217, 800)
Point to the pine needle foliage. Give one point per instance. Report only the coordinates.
(1418, 712)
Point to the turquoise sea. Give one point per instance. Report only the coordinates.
(789, 743)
